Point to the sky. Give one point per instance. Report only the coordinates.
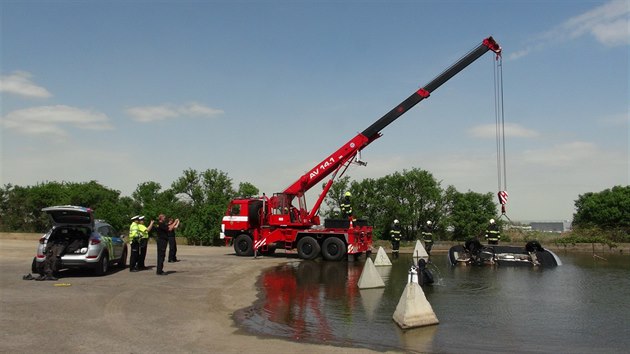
(126, 92)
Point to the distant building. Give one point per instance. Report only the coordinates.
(551, 226)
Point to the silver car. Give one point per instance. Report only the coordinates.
(86, 242)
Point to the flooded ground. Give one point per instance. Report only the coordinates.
(582, 306)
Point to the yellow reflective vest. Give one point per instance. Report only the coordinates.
(143, 231)
(134, 232)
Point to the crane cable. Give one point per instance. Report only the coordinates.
(500, 134)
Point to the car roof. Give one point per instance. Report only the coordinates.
(70, 215)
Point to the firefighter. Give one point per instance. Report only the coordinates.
(55, 248)
(427, 236)
(394, 235)
(492, 233)
(134, 241)
(346, 207)
(144, 241)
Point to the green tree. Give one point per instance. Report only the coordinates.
(247, 190)
(607, 210)
(412, 197)
(468, 213)
(205, 199)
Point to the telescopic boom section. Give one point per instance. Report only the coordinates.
(349, 150)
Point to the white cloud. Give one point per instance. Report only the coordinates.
(609, 24)
(563, 155)
(510, 130)
(54, 120)
(19, 83)
(147, 114)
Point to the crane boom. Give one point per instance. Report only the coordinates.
(349, 150)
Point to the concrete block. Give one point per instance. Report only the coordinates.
(419, 252)
(381, 258)
(413, 309)
(369, 277)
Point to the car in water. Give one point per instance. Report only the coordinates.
(87, 242)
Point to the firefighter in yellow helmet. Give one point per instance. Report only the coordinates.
(427, 236)
(345, 206)
(394, 235)
(493, 235)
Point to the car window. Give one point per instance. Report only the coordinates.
(104, 230)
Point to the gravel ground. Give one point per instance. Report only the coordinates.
(190, 310)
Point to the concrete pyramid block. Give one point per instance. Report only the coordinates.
(413, 309)
(419, 252)
(369, 277)
(381, 258)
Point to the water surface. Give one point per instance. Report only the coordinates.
(582, 306)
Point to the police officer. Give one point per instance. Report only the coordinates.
(427, 236)
(394, 235)
(144, 241)
(492, 233)
(134, 241)
(346, 207)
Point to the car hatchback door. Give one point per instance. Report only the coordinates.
(70, 215)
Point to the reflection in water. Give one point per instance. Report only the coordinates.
(581, 306)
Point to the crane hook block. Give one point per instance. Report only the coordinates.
(503, 196)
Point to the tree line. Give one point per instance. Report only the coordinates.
(200, 199)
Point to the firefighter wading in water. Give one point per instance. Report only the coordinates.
(427, 236)
(492, 233)
(394, 235)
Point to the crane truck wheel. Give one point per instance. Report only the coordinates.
(243, 245)
(308, 248)
(333, 249)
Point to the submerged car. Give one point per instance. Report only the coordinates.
(86, 242)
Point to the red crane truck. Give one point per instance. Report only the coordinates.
(262, 224)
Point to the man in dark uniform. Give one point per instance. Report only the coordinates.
(394, 235)
(172, 241)
(493, 235)
(346, 207)
(162, 242)
(55, 248)
(427, 236)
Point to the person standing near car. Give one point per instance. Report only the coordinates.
(162, 241)
(172, 241)
(144, 241)
(134, 241)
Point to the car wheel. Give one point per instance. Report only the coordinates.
(308, 248)
(103, 265)
(243, 245)
(333, 249)
(122, 263)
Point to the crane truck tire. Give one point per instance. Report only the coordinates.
(333, 249)
(243, 245)
(308, 248)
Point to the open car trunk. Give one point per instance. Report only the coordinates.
(69, 240)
